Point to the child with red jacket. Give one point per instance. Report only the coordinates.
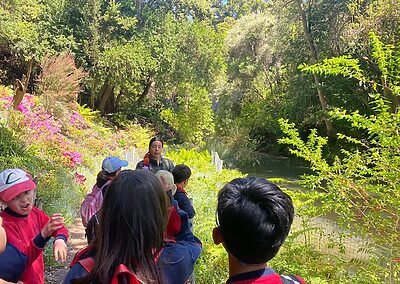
(28, 230)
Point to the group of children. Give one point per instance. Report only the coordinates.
(139, 230)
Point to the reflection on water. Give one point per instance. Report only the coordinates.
(277, 167)
(320, 230)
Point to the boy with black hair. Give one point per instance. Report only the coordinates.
(253, 220)
(181, 175)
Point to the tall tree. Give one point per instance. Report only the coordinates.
(330, 129)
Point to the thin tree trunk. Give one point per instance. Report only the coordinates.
(21, 86)
(104, 98)
(118, 99)
(93, 93)
(149, 84)
(330, 129)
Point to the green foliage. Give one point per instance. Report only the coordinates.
(88, 114)
(360, 187)
(343, 65)
(191, 62)
(124, 64)
(30, 30)
(193, 119)
(384, 58)
(18, 30)
(116, 22)
(379, 16)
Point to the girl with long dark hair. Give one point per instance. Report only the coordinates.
(130, 245)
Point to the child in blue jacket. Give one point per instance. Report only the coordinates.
(181, 175)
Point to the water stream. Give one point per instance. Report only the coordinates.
(291, 170)
(277, 167)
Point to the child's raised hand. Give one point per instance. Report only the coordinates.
(55, 223)
(60, 250)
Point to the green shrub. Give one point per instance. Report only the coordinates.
(361, 187)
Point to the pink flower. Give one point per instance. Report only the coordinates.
(80, 179)
(78, 121)
(75, 158)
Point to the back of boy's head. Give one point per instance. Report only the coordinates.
(181, 173)
(13, 182)
(254, 218)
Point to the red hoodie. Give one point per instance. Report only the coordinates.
(23, 234)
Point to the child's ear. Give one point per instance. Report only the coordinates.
(217, 237)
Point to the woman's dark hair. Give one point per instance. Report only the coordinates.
(254, 218)
(156, 138)
(133, 218)
(181, 173)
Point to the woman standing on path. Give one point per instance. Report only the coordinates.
(153, 159)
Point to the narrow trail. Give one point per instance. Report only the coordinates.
(54, 274)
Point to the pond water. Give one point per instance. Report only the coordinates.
(325, 228)
(278, 167)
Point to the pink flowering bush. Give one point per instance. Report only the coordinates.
(75, 158)
(77, 121)
(80, 179)
(43, 133)
(58, 152)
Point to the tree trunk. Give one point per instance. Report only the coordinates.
(93, 93)
(118, 99)
(105, 97)
(330, 129)
(150, 83)
(21, 86)
(100, 94)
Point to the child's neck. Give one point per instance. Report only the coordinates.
(236, 267)
(181, 185)
(15, 214)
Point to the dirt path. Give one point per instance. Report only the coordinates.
(54, 274)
